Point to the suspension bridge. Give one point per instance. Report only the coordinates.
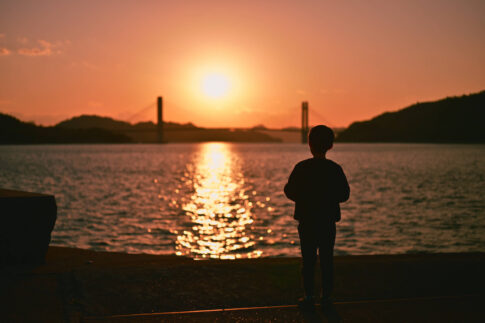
(158, 106)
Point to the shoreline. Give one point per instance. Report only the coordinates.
(75, 256)
(245, 142)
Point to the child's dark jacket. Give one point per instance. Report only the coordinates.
(317, 186)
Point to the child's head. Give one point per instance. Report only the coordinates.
(320, 139)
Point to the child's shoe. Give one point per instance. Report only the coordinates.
(306, 303)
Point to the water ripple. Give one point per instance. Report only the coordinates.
(226, 201)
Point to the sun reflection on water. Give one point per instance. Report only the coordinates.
(219, 209)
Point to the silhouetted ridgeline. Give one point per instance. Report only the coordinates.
(14, 131)
(173, 132)
(454, 119)
(94, 121)
(96, 129)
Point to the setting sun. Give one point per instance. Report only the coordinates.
(215, 85)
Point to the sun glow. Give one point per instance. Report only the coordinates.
(215, 85)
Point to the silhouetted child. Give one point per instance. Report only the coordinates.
(317, 185)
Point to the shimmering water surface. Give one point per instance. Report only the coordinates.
(225, 200)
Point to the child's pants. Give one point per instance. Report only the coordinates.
(315, 237)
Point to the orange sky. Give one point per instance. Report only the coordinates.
(350, 59)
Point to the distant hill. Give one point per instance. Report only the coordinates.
(14, 131)
(96, 129)
(173, 132)
(94, 121)
(454, 119)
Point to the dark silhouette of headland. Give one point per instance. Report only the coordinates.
(450, 120)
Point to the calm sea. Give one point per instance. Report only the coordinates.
(225, 200)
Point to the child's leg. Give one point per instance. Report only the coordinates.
(326, 268)
(327, 244)
(308, 245)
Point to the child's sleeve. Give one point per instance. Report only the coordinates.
(343, 186)
(291, 188)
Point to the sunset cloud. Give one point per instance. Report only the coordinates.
(23, 40)
(332, 91)
(83, 65)
(44, 48)
(5, 101)
(95, 104)
(5, 51)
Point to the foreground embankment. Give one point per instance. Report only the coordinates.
(82, 285)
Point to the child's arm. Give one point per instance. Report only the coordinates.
(291, 188)
(343, 186)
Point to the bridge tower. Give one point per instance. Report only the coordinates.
(304, 122)
(159, 120)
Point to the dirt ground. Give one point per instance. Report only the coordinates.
(81, 285)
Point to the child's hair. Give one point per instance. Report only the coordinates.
(321, 138)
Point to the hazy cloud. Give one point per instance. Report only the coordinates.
(95, 104)
(84, 64)
(5, 51)
(44, 48)
(5, 101)
(23, 40)
(333, 91)
(39, 119)
(89, 65)
(300, 92)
